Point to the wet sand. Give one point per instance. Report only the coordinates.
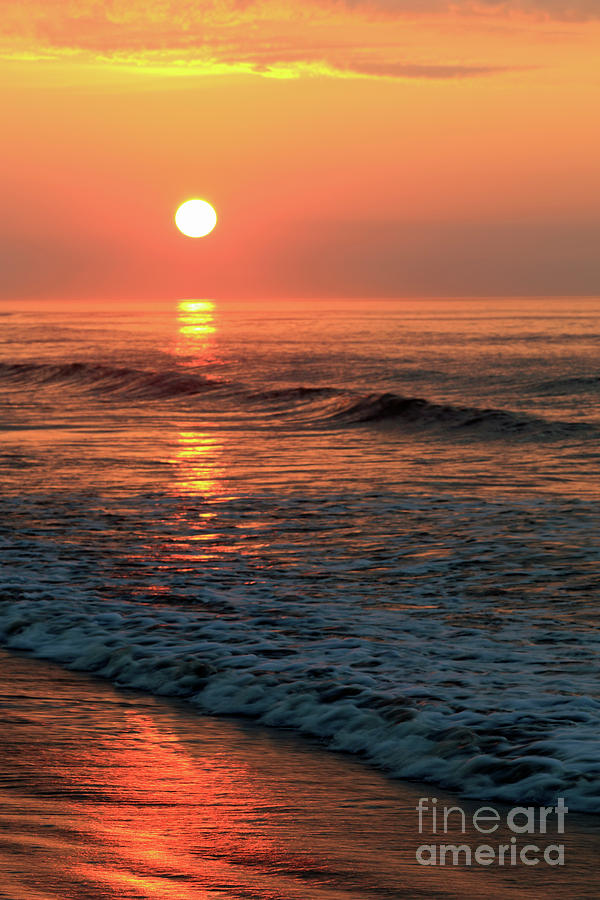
(114, 794)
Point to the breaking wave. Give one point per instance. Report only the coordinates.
(393, 408)
(403, 711)
(307, 406)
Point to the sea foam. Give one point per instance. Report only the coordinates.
(464, 709)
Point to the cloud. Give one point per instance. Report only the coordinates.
(562, 10)
(339, 37)
(553, 9)
(412, 70)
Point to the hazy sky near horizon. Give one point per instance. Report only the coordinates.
(376, 148)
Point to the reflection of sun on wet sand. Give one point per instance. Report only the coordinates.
(119, 795)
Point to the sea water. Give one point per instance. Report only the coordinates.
(372, 522)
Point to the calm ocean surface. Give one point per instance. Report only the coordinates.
(372, 522)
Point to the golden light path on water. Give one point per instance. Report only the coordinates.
(196, 329)
(196, 452)
(196, 458)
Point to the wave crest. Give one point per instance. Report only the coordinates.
(128, 382)
(310, 406)
(393, 408)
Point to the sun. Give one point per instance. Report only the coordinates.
(195, 218)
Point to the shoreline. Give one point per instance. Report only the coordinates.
(108, 793)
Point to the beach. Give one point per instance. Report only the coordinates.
(116, 794)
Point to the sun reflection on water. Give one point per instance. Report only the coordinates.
(196, 453)
(196, 328)
(196, 462)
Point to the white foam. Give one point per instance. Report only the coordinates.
(417, 697)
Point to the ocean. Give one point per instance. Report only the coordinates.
(370, 522)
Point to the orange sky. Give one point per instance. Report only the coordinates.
(385, 148)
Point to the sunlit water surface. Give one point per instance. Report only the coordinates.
(372, 522)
